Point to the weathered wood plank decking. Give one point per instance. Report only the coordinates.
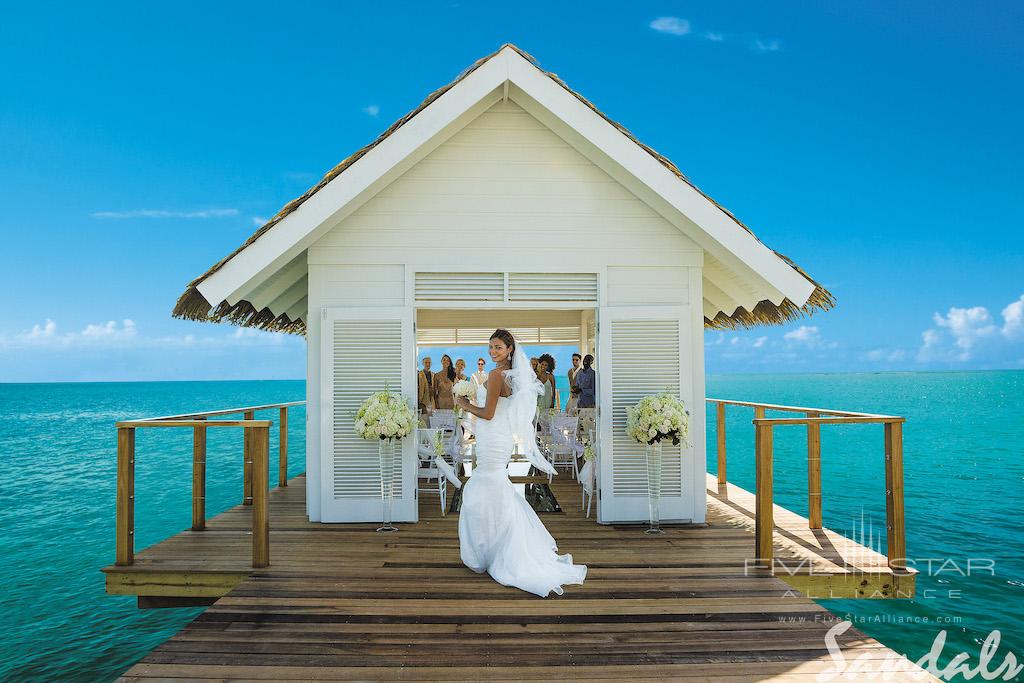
(341, 602)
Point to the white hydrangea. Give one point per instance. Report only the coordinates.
(658, 417)
(464, 389)
(382, 415)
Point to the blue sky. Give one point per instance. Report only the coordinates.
(877, 144)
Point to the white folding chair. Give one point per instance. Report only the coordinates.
(430, 471)
(426, 449)
(588, 483)
(588, 420)
(565, 448)
(455, 445)
(442, 419)
(588, 474)
(428, 468)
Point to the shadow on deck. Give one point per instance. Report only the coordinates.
(342, 602)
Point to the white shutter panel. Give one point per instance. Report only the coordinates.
(460, 286)
(364, 350)
(552, 286)
(643, 350)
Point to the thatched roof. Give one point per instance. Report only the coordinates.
(191, 305)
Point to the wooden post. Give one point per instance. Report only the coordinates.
(125, 496)
(260, 481)
(282, 461)
(199, 477)
(813, 473)
(896, 531)
(720, 432)
(764, 521)
(247, 460)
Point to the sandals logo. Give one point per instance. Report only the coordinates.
(864, 668)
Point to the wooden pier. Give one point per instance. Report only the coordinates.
(342, 602)
(730, 599)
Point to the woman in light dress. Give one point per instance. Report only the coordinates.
(443, 382)
(545, 369)
(499, 533)
(460, 370)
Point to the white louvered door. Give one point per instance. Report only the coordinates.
(364, 349)
(642, 350)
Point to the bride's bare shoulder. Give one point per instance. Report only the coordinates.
(501, 376)
(498, 374)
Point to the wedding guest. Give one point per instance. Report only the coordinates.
(570, 405)
(545, 368)
(480, 376)
(443, 381)
(460, 370)
(533, 363)
(425, 388)
(586, 381)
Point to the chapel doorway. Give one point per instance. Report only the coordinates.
(555, 333)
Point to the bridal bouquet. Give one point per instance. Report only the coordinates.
(588, 454)
(384, 415)
(463, 389)
(657, 418)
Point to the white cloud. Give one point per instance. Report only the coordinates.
(47, 336)
(671, 25)
(1013, 319)
(968, 334)
(809, 337)
(46, 331)
(886, 355)
(372, 110)
(259, 221)
(766, 45)
(160, 213)
(109, 331)
(759, 342)
(114, 335)
(677, 26)
(967, 326)
(931, 347)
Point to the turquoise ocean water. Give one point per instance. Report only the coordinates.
(964, 468)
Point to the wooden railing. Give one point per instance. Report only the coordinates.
(255, 471)
(814, 418)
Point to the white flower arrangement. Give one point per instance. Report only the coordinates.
(439, 444)
(588, 454)
(384, 415)
(463, 389)
(657, 418)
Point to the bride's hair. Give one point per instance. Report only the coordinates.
(505, 336)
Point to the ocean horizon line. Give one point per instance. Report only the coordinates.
(710, 374)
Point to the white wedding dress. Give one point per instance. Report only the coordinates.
(499, 533)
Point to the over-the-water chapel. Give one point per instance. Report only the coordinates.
(636, 263)
(506, 199)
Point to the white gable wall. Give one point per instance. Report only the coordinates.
(505, 193)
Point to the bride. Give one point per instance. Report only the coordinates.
(498, 530)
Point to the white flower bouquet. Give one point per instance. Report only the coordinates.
(588, 454)
(384, 415)
(463, 389)
(657, 418)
